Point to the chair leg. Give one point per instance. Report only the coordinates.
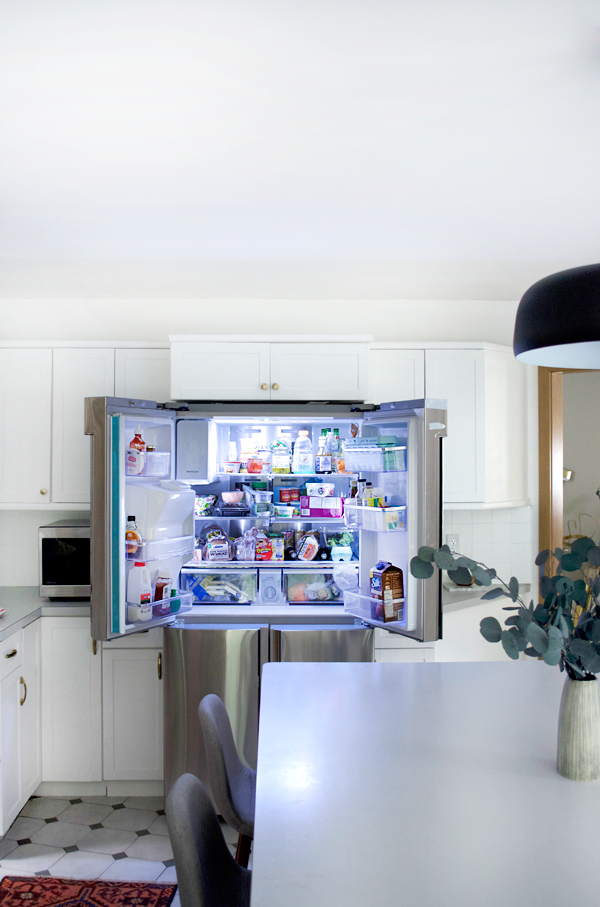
(243, 850)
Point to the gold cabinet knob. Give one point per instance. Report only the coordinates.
(275, 387)
(43, 491)
(264, 387)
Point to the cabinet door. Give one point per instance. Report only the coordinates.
(132, 714)
(143, 374)
(77, 374)
(396, 375)
(71, 701)
(220, 371)
(25, 412)
(30, 710)
(458, 377)
(319, 371)
(10, 747)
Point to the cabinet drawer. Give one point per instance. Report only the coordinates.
(10, 654)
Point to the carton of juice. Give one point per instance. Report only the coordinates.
(387, 587)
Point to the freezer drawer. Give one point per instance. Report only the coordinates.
(321, 642)
(210, 658)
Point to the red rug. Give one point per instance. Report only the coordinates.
(44, 891)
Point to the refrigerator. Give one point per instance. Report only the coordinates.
(396, 446)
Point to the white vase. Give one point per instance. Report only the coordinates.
(579, 730)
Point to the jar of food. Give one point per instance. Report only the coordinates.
(254, 464)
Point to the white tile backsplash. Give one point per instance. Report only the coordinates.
(19, 543)
(499, 538)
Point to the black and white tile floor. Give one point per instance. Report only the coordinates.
(118, 838)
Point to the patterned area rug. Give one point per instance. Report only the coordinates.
(17, 891)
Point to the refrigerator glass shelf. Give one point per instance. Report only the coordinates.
(214, 566)
(275, 519)
(258, 476)
(163, 548)
(376, 519)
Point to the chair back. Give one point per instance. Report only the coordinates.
(207, 874)
(233, 784)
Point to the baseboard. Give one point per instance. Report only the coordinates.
(100, 789)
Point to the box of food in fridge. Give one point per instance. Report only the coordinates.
(321, 507)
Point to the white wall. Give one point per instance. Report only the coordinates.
(581, 451)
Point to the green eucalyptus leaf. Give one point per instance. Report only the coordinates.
(519, 637)
(513, 621)
(591, 662)
(596, 585)
(421, 569)
(460, 576)
(580, 592)
(490, 629)
(558, 553)
(546, 587)
(493, 593)
(555, 637)
(593, 556)
(563, 585)
(542, 557)
(596, 630)
(426, 553)
(513, 588)
(509, 644)
(466, 562)
(481, 576)
(533, 653)
(580, 647)
(571, 562)
(582, 546)
(444, 559)
(537, 637)
(552, 656)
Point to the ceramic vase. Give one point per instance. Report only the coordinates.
(579, 730)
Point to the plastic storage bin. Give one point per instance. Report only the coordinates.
(368, 608)
(221, 587)
(157, 463)
(375, 458)
(376, 519)
(318, 587)
(162, 548)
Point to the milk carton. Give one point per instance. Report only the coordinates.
(387, 586)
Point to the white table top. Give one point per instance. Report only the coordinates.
(418, 785)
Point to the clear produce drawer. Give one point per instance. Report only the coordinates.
(220, 587)
(319, 587)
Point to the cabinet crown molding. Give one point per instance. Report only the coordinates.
(271, 338)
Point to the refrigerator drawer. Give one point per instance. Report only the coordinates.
(325, 642)
(221, 587)
(317, 587)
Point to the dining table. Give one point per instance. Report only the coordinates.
(417, 785)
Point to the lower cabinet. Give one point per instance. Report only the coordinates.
(71, 701)
(19, 721)
(391, 647)
(132, 700)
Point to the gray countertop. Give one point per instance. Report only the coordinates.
(24, 605)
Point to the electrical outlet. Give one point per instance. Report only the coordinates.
(453, 542)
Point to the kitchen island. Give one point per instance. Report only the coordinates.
(418, 784)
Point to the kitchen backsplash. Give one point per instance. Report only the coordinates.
(19, 543)
(500, 538)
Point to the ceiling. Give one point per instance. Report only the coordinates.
(396, 148)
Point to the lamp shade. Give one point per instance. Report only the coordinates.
(558, 320)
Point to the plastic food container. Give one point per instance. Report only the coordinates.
(255, 464)
(232, 497)
(285, 510)
(320, 489)
(262, 497)
(231, 466)
(157, 463)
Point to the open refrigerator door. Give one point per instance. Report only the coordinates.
(399, 452)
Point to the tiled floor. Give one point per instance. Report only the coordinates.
(91, 838)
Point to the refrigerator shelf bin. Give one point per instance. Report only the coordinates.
(376, 519)
(160, 549)
(221, 587)
(318, 587)
(177, 604)
(368, 608)
(375, 459)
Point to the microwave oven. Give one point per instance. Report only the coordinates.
(64, 559)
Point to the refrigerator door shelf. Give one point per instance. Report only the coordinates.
(163, 548)
(376, 459)
(376, 519)
(179, 603)
(371, 610)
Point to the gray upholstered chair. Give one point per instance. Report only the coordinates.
(207, 874)
(232, 783)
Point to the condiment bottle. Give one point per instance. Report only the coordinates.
(132, 538)
(138, 442)
(163, 585)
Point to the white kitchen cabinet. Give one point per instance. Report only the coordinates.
(143, 374)
(25, 414)
(132, 714)
(264, 369)
(390, 647)
(71, 701)
(485, 453)
(77, 374)
(396, 375)
(20, 764)
(220, 371)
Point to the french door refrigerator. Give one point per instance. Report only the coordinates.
(397, 447)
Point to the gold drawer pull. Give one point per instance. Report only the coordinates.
(25, 696)
(11, 654)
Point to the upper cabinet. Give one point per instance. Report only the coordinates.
(77, 374)
(143, 374)
(396, 375)
(265, 369)
(25, 413)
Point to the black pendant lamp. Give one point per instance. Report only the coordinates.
(558, 320)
